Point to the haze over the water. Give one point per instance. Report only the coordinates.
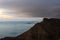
(25, 9)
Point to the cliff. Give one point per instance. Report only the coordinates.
(48, 29)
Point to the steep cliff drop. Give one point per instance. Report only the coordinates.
(48, 29)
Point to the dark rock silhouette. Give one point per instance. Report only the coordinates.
(48, 29)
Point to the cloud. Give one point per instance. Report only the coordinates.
(34, 8)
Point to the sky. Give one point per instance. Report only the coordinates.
(20, 9)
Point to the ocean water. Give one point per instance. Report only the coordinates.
(14, 28)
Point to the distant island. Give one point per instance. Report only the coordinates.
(48, 29)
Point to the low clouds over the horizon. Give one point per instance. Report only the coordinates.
(34, 8)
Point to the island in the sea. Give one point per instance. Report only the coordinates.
(48, 29)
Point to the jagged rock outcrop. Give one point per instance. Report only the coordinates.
(48, 29)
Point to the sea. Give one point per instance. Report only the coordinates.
(14, 28)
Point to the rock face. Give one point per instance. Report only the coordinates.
(48, 29)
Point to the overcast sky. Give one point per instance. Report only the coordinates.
(30, 8)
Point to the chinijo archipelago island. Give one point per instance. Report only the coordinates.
(29, 19)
